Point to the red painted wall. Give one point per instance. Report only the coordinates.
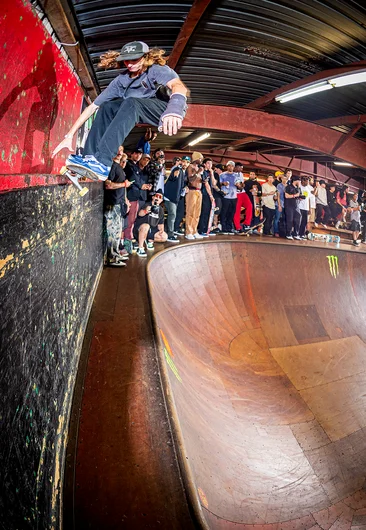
(39, 97)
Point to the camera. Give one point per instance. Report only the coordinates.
(302, 197)
(155, 208)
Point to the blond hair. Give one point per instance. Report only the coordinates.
(154, 56)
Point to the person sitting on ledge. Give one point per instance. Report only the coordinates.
(149, 92)
(149, 226)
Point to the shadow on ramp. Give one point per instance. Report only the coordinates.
(263, 356)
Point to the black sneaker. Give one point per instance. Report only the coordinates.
(356, 243)
(173, 239)
(115, 262)
(179, 232)
(240, 231)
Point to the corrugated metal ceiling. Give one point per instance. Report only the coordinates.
(242, 49)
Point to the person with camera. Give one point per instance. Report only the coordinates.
(304, 204)
(147, 91)
(135, 174)
(156, 171)
(115, 208)
(194, 196)
(292, 201)
(208, 201)
(172, 194)
(269, 195)
(149, 226)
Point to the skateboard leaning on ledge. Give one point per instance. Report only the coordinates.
(76, 173)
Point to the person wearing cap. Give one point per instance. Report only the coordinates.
(292, 199)
(278, 174)
(208, 201)
(178, 231)
(149, 226)
(136, 176)
(228, 180)
(322, 208)
(194, 196)
(172, 193)
(279, 218)
(148, 92)
(243, 201)
(248, 185)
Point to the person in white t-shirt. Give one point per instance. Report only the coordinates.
(269, 193)
(304, 204)
(312, 200)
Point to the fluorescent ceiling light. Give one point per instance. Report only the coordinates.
(350, 79)
(304, 91)
(347, 164)
(200, 138)
(335, 82)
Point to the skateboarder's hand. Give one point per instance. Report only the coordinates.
(66, 143)
(171, 124)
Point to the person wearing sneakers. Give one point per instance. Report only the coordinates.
(208, 201)
(178, 230)
(269, 194)
(322, 208)
(229, 181)
(148, 92)
(243, 201)
(194, 196)
(355, 209)
(114, 208)
(292, 198)
(135, 174)
(172, 193)
(149, 226)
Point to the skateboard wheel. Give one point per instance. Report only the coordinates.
(83, 192)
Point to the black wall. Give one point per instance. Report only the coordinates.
(50, 259)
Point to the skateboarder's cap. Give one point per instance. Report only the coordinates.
(145, 155)
(133, 50)
(220, 166)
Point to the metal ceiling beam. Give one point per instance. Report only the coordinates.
(65, 25)
(343, 120)
(194, 16)
(263, 101)
(292, 131)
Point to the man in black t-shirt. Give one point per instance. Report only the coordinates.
(115, 208)
(292, 208)
(149, 225)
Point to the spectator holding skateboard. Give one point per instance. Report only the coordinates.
(149, 91)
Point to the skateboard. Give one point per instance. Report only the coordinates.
(75, 172)
(327, 238)
(212, 214)
(252, 228)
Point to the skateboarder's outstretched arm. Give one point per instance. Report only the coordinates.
(67, 141)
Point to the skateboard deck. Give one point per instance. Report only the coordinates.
(327, 238)
(252, 228)
(75, 173)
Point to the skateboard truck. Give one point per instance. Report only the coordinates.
(74, 179)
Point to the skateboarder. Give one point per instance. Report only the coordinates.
(149, 92)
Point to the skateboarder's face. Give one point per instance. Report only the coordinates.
(134, 65)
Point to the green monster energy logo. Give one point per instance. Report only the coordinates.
(333, 265)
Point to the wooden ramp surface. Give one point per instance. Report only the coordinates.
(263, 352)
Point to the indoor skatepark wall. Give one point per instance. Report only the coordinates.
(263, 352)
(50, 259)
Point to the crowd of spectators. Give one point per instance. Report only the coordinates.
(203, 199)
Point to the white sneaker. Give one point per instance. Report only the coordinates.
(325, 226)
(297, 237)
(197, 236)
(289, 237)
(316, 225)
(189, 236)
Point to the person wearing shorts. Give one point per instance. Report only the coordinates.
(149, 225)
